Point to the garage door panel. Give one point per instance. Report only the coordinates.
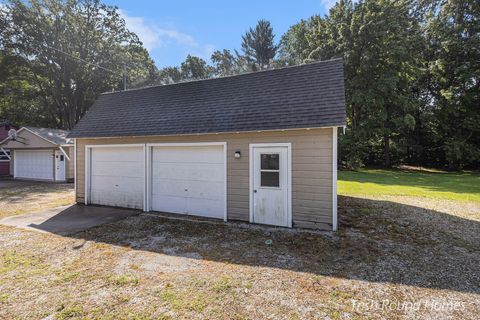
(195, 189)
(120, 169)
(120, 183)
(182, 171)
(167, 203)
(189, 154)
(170, 187)
(118, 154)
(108, 197)
(207, 190)
(189, 179)
(117, 176)
(34, 164)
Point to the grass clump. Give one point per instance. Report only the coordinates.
(4, 297)
(124, 280)
(12, 260)
(223, 284)
(69, 312)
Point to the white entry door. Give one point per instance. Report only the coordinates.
(33, 164)
(116, 176)
(271, 185)
(60, 161)
(188, 180)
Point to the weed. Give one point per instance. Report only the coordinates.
(223, 284)
(69, 312)
(124, 280)
(4, 297)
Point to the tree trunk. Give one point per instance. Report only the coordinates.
(386, 137)
(386, 142)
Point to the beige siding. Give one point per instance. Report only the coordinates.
(70, 164)
(28, 140)
(311, 170)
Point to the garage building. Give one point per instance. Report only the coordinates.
(258, 147)
(41, 154)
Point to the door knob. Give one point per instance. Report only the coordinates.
(254, 191)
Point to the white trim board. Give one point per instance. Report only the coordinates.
(334, 178)
(186, 144)
(207, 133)
(64, 153)
(251, 146)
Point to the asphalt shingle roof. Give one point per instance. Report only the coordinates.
(55, 136)
(305, 96)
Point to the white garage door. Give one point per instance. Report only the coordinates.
(36, 164)
(117, 176)
(188, 180)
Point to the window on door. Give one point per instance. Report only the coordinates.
(270, 170)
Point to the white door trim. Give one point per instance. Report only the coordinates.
(148, 165)
(88, 162)
(289, 177)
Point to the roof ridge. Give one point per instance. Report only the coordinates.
(33, 127)
(228, 76)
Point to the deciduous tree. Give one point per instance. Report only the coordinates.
(71, 51)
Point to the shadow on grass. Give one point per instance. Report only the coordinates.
(379, 241)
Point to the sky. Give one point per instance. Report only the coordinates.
(170, 30)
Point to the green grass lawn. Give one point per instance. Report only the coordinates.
(463, 186)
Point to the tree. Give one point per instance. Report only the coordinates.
(19, 101)
(258, 45)
(67, 49)
(378, 41)
(453, 32)
(294, 44)
(195, 68)
(169, 75)
(224, 62)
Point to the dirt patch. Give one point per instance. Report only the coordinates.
(386, 257)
